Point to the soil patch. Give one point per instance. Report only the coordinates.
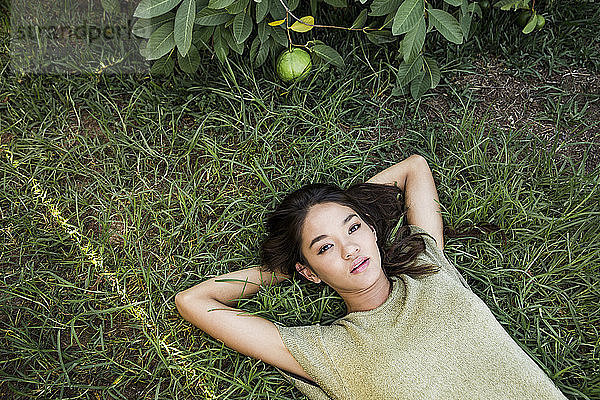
(560, 108)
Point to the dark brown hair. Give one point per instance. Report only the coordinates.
(380, 206)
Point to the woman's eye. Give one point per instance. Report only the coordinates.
(324, 248)
(354, 227)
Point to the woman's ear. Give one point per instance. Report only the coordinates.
(307, 273)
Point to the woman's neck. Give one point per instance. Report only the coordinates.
(369, 298)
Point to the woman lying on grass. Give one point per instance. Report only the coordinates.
(414, 329)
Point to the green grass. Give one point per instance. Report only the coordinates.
(118, 192)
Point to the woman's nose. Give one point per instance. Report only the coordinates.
(350, 249)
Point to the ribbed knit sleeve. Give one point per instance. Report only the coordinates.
(312, 391)
(434, 255)
(305, 344)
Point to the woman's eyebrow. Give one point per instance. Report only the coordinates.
(348, 218)
(315, 240)
(321, 237)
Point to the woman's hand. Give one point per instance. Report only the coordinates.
(422, 204)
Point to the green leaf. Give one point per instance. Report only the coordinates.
(262, 9)
(154, 8)
(455, 3)
(328, 54)
(407, 16)
(384, 7)
(161, 41)
(142, 49)
(220, 45)
(398, 91)
(219, 4)
(277, 11)
(238, 6)
(190, 62)
(337, 3)
(300, 27)
(263, 31)
(279, 35)
(465, 23)
(413, 41)
(420, 85)
(209, 17)
(259, 55)
(446, 24)
(242, 26)
(144, 27)
(254, 49)
(360, 21)
(389, 20)
(463, 6)
(430, 66)
(475, 8)
(163, 66)
(507, 4)
(201, 37)
(264, 51)
(315, 42)
(408, 71)
(231, 42)
(531, 24)
(381, 37)
(400, 47)
(184, 24)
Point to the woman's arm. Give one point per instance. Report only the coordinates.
(208, 305)
(422, 204)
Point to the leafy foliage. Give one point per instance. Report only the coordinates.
(532, 20)
(264, 28)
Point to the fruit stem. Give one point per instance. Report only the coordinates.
(287, 29)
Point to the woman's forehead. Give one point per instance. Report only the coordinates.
(325, 216)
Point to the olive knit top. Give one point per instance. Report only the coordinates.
(433, 338)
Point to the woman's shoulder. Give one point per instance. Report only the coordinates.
(431, 246)
(433, 254)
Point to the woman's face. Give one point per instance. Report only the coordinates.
(340, 248)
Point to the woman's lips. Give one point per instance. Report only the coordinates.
(360, 267)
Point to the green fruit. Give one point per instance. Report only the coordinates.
(292, 65)
(484, 4)
(541, 21)
(523, 18)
